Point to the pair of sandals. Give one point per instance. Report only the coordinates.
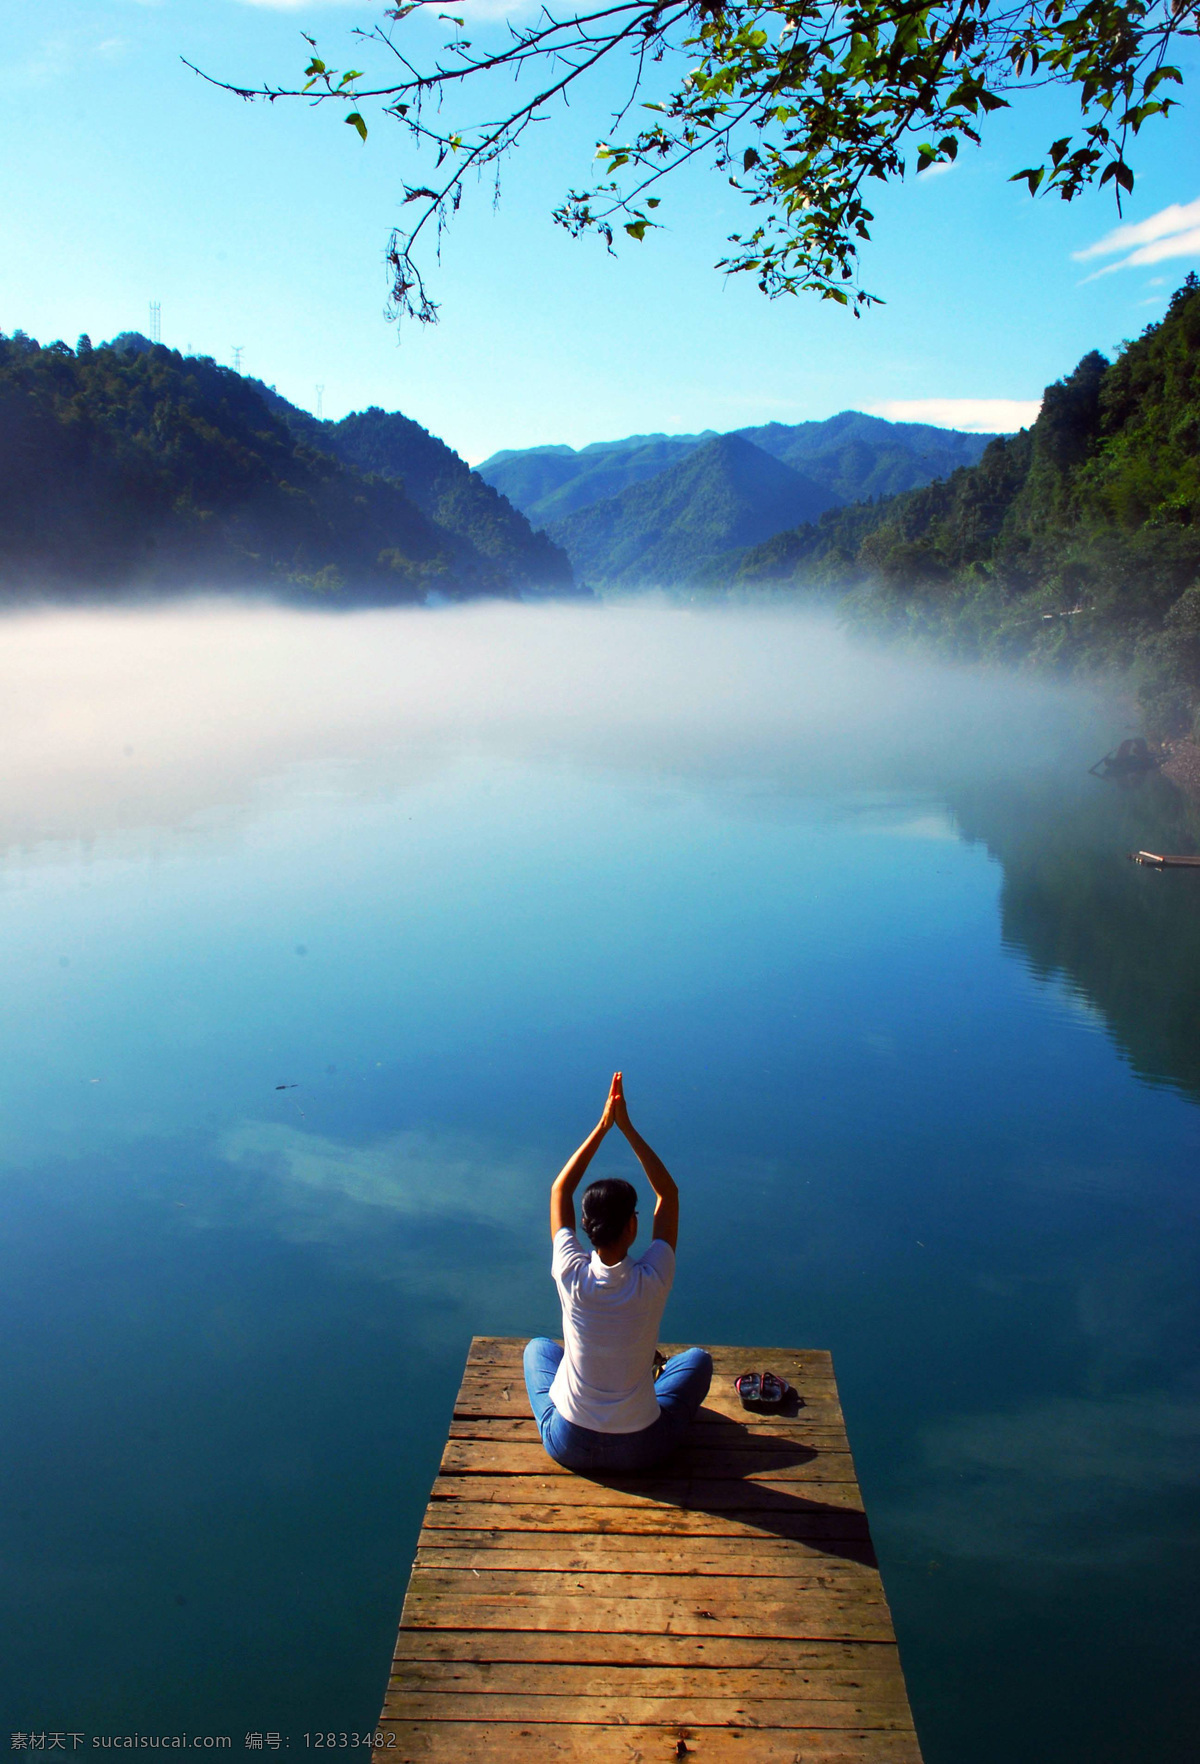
(762, 1390)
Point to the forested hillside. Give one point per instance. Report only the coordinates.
(854, 456)
(550, 483)
(131, 467)
(1075, 543)
(659, 534)
(458, 501)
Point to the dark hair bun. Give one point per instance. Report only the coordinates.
(608, 1206)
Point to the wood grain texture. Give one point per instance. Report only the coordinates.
(800, 1519)
(706, 1495)
(489, 1742)
(751, 1432)
(858, 1686)
(687, 1654)
(780, 1461)
(628, 1556)
(726, 1606)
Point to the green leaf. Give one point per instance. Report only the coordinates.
(356, 122)
(636, 229)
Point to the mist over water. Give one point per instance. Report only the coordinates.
(323, 934)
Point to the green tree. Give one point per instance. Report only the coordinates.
(801, 104)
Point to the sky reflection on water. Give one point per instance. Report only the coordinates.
(854, 927)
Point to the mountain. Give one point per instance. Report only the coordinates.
(549, 483)
(456, 499)
(856, 457)
(130, 466)
(719, 498)
(1075, 544)
(852, 456)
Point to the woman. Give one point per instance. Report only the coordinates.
(595, 1399)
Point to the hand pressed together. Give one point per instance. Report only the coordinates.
(666, 1195)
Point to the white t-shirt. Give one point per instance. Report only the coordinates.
(610, 1331)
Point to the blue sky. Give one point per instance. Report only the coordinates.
(128, 180)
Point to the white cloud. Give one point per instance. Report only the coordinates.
(1172, 232)
(979, 416)
(1175, 219)
(419, 1174)
(1062, 1483)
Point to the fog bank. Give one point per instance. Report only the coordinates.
(137, 721)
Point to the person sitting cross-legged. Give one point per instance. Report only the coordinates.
(595, 1399)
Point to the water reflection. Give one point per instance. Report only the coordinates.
(1123, 938)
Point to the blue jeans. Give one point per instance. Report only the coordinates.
(681, 1387)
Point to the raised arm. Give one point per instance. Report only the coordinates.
(562, 1192)
(666, 1205)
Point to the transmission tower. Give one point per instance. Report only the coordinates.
(156, 321)
(320, 403)
(238, 349)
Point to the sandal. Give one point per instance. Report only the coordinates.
(761, 1390)
(773, 1391)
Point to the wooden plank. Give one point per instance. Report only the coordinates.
(808, 1520)
(708, 1495)
(489, 1742)
(509, 1387)
(805, 1615)
(784, 1461)
(619, 1711)
(858, 1686)
(687, 1653)
(726, 1606)
(711, 1428)
(485, 1551)
(821, 1574)
(502, 1397)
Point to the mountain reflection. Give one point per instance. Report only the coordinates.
(1075, 908)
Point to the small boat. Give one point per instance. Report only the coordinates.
(1133, 755)
(1158, 860)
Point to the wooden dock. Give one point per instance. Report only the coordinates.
(1165, 860)
(726, 1608)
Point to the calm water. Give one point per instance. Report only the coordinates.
(920, 1045)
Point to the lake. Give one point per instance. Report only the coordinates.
(323, 935)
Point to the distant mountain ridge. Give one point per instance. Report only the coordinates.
(547, 484)
(852, 455)
(719, 498)
(128, 466)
